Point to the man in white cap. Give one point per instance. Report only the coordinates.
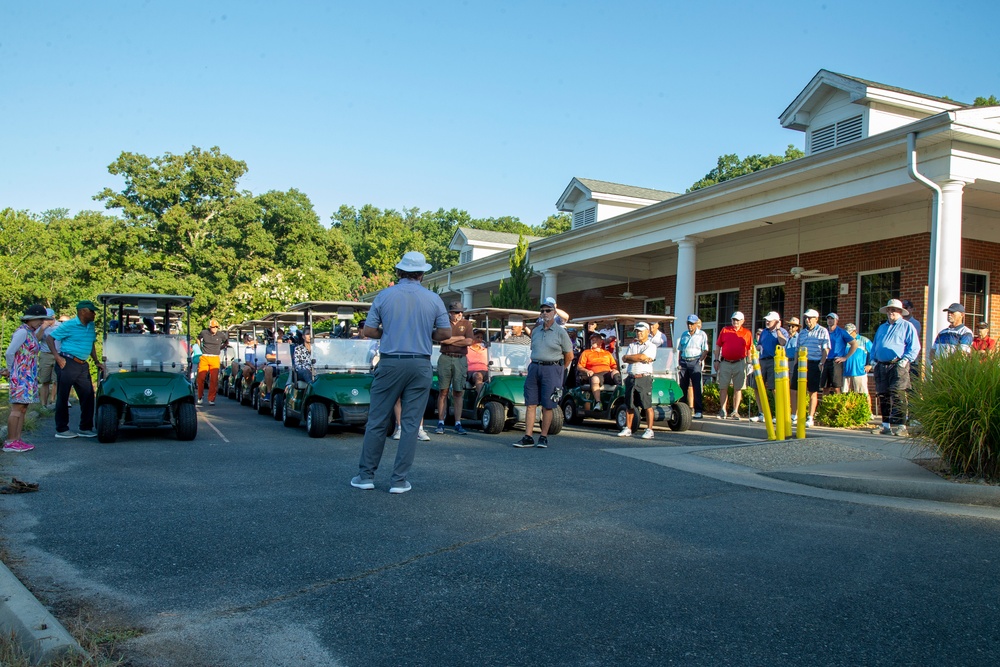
(551, 355)
(895, 348)
(639, 355)
(769, 339)
(816, 341)
(517, 334)
(692, 350)
(732, 349)
(407, 318)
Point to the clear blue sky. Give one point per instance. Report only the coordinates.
(489, 107)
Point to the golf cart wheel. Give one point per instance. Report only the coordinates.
(557, 422)
(620, 418)
(107, 423)
(680, 417)
(245, 397)
(187, 421)
(277, 406)
(263, 409)
(571, 413)
(286, 416)
(317, 418)
(493, 417)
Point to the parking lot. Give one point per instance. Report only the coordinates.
(248, 546)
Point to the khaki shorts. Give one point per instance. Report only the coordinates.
(858, 384)
(452, 371)
(46, 368)
(734, 372)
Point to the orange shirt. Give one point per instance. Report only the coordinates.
(597, 361)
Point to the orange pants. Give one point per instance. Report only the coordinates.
(208, 365)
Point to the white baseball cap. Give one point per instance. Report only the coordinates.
(772, 316)
(738, 315)
(811, 313)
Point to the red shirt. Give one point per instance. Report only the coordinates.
(734, 344)
(983, 344)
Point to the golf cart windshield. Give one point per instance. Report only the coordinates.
(145, 352)
(509, 358)
(339, 355)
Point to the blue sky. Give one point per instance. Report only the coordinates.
(487, 107)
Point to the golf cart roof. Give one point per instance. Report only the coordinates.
(500, 313)
(329, 307)
(283, 317)
(624, 318)
(161, 300)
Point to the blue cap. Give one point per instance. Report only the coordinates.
(692, 319)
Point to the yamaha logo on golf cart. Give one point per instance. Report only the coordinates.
(148, 392)
(354, 392)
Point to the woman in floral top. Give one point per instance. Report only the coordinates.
(303, 358)
(22, 369)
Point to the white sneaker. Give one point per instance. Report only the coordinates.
(397, 432)
(809, 422)
(795, 419)
(421, 435)
(647, 434)
(757, 418)
(625, 432)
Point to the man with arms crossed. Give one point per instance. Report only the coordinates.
(639, 355)
(453, 367)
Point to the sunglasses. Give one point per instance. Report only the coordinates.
(546, 310)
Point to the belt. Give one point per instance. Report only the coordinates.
(405, 356)
(732, 361)
(452, 354)
(547, 363)
(205, 354)
(690, 358)
(72, 358)
(641, 375)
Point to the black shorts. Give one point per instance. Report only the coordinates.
(814, 376)
(639, 392)
(833, 374)
(607, 377)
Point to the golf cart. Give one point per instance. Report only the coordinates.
(146, 383)
(499, 403)
(339, 391)
(279, 355)
(669, 403)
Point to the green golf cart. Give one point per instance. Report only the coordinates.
(146, 381)
(277, 355)
(338, 391)
(669, 404)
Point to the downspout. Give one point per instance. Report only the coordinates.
(932, 305)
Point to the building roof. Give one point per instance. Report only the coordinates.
(876, 84)
(486, 236)
(605, 187)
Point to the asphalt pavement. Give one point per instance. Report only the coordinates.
(248, 546)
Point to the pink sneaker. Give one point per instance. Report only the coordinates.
(18, 446)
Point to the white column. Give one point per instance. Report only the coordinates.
(467, 294)
(946, 281)
(684, 304)
(550, 284)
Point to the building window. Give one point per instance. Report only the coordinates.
(766, 299)
(974, 290)
(465, 257)
(655, 307)
(822, 295)
(874, 291)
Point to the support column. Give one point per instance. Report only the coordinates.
(684, 303)
(945, 281)
(467, 294)
(550, 284)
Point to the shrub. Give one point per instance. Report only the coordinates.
(710, 400)
(843, 410)
(958, 407)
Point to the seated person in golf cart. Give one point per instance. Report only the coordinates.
(597, 366)
(476, 357)
(302, 356)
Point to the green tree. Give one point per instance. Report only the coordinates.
(554, 224)
(516, 291)
(731, 165)
(990, 101)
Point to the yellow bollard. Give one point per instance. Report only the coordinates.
(780, 408)
(762, 393)
(803, 395)
(786, 394)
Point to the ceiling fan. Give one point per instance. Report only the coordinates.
(798, 272)
(627, 294)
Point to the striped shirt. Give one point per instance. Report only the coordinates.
(693, 345)
(953, 338)
(815, 341)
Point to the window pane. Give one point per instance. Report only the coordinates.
(768, 299)
(974, 298)
(654, 306)
(876, 290)
(707, 308)
(729, 302)
(822, 295)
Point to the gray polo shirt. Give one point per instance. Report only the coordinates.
(408, 313)
(549, 344)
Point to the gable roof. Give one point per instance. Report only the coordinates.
(605, 187)
(797, 115)
(487, 236)
(589, 188)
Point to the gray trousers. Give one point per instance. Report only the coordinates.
(409, 379)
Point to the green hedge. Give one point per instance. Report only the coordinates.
(843, 410)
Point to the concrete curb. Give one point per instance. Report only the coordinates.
(946, 492)
(41, 636)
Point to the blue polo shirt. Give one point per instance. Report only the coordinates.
(75, 338)
(896, 341)
(840, 340)
(855, 364)
(769, 341)
(408, 313)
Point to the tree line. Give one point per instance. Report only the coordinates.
(181, 225)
